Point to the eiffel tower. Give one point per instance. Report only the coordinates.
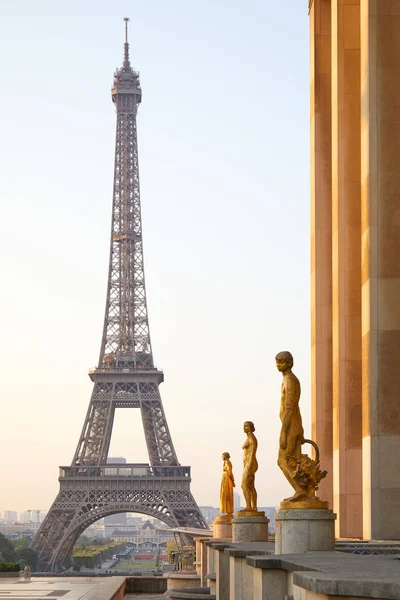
(125, 378)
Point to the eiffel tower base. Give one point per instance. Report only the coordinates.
(88, 494)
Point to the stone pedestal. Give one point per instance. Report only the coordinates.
(250, 527)
(178, 580)
(304, 530)
(223, 527)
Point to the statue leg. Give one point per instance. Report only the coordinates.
(253, 494)
(293, 448)
(246, 487)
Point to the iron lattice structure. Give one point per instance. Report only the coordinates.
(125, 378)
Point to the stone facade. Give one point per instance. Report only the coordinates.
(355, 260)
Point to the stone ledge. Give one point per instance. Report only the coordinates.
(212, 576)
(338, 574)
(363, 586)
(146, 583)
(191, 594)
(218, 541)
(243, 549)
(221, 545)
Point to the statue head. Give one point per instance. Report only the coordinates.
(248, 426)
(226, 456)
(284, 361)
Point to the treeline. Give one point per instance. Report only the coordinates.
(18, 551)
(87, 553)
(91, 555)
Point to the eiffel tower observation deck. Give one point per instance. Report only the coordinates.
(125, 378)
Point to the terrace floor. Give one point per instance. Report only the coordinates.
(67, 588)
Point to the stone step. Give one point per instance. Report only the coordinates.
(201, 593)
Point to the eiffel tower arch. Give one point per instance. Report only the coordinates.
(125, 378)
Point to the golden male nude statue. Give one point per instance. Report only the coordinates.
(302, 472)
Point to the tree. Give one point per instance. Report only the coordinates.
(83, 541)
(6, 549)
(21, 544)
(27, 556)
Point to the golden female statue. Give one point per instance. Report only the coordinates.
(250, 467)
(227, 485)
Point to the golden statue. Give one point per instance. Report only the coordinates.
(250, 466)
(227, 484)
(301, 471)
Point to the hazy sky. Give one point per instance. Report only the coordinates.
(224, 166)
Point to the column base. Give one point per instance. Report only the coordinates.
(250, 528)
(304, 530)
(223, 527)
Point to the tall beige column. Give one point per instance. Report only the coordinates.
(380, 179)
(346, 268)
(321, 234)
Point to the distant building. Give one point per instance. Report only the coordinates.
(19, 530)
(116, 460)
(236, 501)
(113, 521)
(147, 537)
(209, 513)
(10, 516)
(270, 514)
(95, 531)
(31, 516)
(138, 521)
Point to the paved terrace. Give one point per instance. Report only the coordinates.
(67, 588)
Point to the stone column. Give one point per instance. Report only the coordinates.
(321, 235)
(270, 584)
(222, 571)
(346, 267)
(203, 561)
(380, 181)
(198, 554)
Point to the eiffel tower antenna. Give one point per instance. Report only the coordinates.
(126, 62)
(125, 378)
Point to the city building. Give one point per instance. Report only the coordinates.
(270, 514)
(113, 521)
(10, 516)
(209, 513)
(147, 537)
(355, 261)
(19, 530)
(236, 501)
(32, 516)
(96, 530)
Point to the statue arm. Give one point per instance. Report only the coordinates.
(230, 473)
(253, 449)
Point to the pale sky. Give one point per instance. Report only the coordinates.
(224, 167)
